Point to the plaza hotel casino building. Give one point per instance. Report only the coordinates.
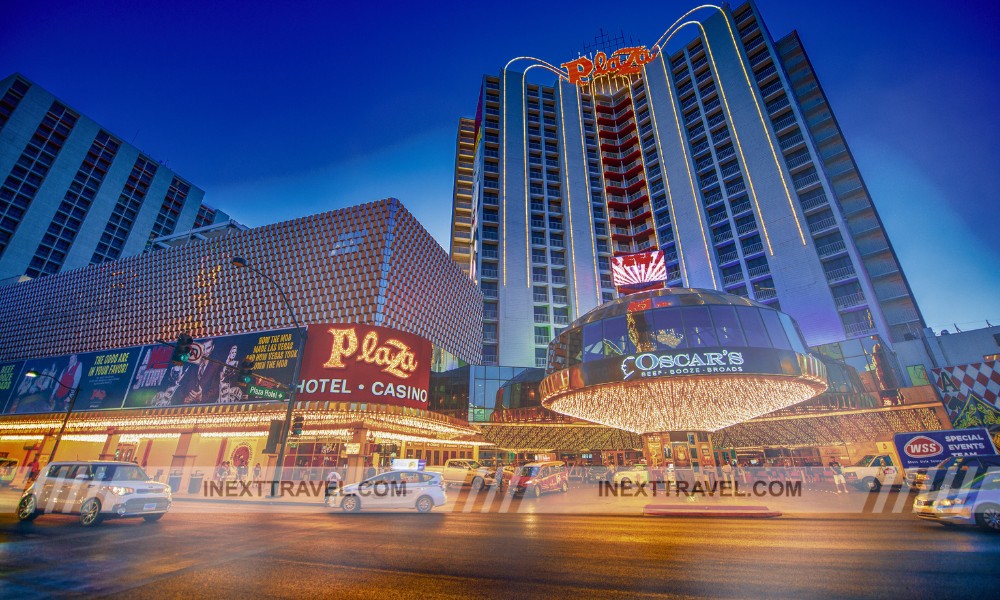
(371, 270)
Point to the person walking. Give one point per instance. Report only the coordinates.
(332, 482)
(256, 472)
(838, 476)
(498, 476)
(727, 473)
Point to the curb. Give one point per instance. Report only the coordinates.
(743, 512)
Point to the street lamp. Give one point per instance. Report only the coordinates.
(74, 392)
(240, 262)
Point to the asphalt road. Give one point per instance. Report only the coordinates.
(227, 551)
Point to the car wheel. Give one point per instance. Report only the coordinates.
(424, 504)
(538, 491)
(351, 504)
(565, 487)
(152, 518)
(27, 508)
(988, 517)
(477, 484)
(90, 512)
(871, 484)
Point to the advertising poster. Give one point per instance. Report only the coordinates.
(926, 449)
(365, 363)
(210, 376)
(106, 379)
(682, 459)
(53, 388)
(8, 374)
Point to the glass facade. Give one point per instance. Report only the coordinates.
(673, 319)
(477, 392)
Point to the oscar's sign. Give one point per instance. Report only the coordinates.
(622, 62)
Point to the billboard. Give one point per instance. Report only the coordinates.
(142, 376)
(638, 270)
(925, 449)
(364, 363)
(157, 383)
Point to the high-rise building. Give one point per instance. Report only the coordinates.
(73, 193)
(716, 146)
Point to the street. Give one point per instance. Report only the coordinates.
(232, 549)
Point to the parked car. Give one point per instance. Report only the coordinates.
(539, 477)
(633, 475)
(952, 472)
(599, 473)
(422, 490)
(95, 491)
(461, 471)
(874, 471)
(8, 471)
(975, 503)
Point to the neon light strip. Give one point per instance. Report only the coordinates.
(586, 171)
(604, 183)
(642, 160)
(569, 202)
(687, 160)
(666, 180)
(736, 137)
(767, 134)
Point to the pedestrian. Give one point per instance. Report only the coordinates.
(33, 470)
(727, 473)
(838, 476)
(332, 482)
(498, 477)
(256, 472)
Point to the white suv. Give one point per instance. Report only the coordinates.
(95, 491)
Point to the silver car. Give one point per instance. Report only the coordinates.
(975, 503)
(422, 490)
(95, 491)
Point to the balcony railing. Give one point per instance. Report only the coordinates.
(857, 329)
(542, 339)
(850, 300)
(745, 228)
(728, 257)
(732, 279)
(759, 271)
(722, 236)
(841, 274)
(765, 294)
(822, 224)
(752, 249)
(831, 249)
(560, 320)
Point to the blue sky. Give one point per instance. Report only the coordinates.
(283, 109)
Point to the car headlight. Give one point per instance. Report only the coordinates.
(957, 501)
(119, 490)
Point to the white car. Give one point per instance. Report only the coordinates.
(634, 475)
(422, 490)
(975, 503)
(95, 491)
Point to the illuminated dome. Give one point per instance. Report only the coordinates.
(679, 359)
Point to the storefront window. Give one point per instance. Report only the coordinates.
(616, 339)
(698, 327)
(669, 327)
(727, 326)
(593, 341)
(774, 328)
(753, 327)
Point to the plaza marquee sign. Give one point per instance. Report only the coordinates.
(623, 62)
(363, 363)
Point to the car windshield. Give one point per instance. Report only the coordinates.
(120, 473)
(864, 461)
(528, 471)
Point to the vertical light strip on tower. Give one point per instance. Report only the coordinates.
(503, 159)
(760, 115)
(586, 170)
(666, 180)
(642, 160)
(569, 202)
(736, 137)
(687, 166)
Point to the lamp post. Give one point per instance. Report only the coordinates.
(73, 393)
(240, 262)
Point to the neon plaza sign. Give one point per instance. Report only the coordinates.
(682, 363)
(622, 63)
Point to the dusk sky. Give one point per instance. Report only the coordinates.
(279, 110)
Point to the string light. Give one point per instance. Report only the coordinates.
(699, 403)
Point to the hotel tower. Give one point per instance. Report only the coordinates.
(715, 144)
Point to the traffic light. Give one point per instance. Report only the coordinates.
(244, 373)
(182, 349)
(297, 425)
